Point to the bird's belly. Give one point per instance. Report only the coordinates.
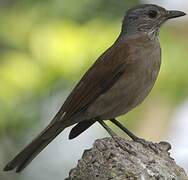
(129, 91)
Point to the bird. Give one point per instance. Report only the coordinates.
(118, 81)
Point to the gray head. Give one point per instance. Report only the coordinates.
(147, 18)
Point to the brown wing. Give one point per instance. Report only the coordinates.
(98, 79)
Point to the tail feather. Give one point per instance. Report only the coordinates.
(80, 128)
(22, 159)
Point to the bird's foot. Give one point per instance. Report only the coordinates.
(147, 144)
(127, 147)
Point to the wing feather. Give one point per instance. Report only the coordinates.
(98, 79)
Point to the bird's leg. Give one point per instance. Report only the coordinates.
(114, 136)
(104, 125)
(134, 137)
(123, 128)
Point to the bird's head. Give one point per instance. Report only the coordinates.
(147, 18)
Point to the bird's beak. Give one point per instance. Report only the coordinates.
(174, 14)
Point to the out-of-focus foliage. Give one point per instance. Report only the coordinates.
(44, 43)
(173, 80)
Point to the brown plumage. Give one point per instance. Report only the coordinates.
(118, 81)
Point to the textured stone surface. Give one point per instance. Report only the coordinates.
(120, 159)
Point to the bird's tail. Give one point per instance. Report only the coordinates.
(22, 159)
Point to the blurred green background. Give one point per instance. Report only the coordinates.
(45, 48)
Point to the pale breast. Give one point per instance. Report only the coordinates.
(133, 86)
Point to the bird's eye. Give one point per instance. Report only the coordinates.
(152, 14)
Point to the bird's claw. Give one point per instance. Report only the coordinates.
(147, 144)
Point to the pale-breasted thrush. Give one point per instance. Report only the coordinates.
(118, 81)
